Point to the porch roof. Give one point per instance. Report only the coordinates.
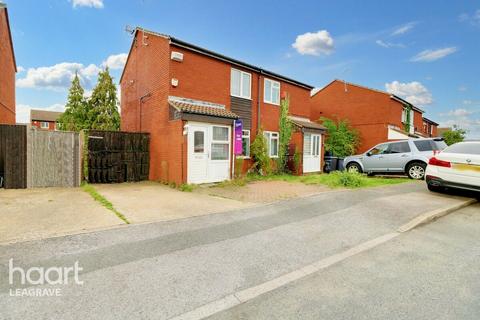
(307, 124)
(185, 105)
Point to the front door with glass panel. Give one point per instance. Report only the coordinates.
(311, 152)
(208, 153)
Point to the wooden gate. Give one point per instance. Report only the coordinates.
(13, 156)
(115, 156)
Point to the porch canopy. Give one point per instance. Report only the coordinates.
(201, 111)
(306, 125)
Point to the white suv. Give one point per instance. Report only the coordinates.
(407, 156)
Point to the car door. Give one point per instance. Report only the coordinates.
(372, 160)
(396, 156)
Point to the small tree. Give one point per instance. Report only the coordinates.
(342, 140)
(75, 117)
(285, 134)
(103, 104)
(454, 135)
(259, 154)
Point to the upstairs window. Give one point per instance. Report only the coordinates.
(240, 84)
(271, 92)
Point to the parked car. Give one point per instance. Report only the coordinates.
(458, 166)
(407, 156)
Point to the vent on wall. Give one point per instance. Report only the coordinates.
(177, 56)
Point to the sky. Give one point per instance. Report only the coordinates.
(423, 51)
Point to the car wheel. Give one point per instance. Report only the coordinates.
(434, 188)
(354, 167)
(416, 170)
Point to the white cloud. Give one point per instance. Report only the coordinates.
(473, 19)
(23, 111)
(403, 29)
(115, 61)
(462, 88)
(471, 125)
(389, 44)
(314, 43)
(58, 76)
(98, 4)
(20, 69)
(460, 112)
(432, 55)
(414, 92)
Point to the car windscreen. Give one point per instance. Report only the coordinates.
(430, 145)
(464, 148)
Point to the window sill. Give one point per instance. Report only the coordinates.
(243, 157)
(271, 103)
(249, 98)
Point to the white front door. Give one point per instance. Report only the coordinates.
(311, 152)
(208, 153)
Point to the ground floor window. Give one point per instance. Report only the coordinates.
(220, 143)
(272, 143)
(44, 125)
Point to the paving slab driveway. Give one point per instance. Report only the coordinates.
(150, 201)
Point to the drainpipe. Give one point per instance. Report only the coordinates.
(258, 102)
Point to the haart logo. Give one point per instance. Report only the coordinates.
(42, 276)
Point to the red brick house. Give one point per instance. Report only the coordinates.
(45, 120)
(377, 115)
(188, 99)
(430, 128)
(8, 68)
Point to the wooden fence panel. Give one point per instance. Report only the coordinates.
(53, 159)
(115, 156)
(13, 158)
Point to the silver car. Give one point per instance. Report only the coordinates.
(407, 156)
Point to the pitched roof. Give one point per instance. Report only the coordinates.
(200, 107)
(391, 95)
(218, 56)
(430, 121)
(306, 123)
(10, 36)
(44, 115)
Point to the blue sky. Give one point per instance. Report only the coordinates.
(425, 51)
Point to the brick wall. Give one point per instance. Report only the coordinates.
(51, 125)
(7, 74)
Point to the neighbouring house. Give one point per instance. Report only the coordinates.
(442, 130)
(189, 99)
(430, 128)
(43, 119)
(8, 68)
(378, 116)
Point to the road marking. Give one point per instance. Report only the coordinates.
(248, 294)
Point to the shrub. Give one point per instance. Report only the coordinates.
(259, 154)
(454, 135)
(342, 140)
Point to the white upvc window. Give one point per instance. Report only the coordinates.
(272, 143)
(240, 84)
(271, 92)
(220, 143)
(245, 144)
(44, 125)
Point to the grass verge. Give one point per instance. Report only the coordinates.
(88, 188)
(336, 179)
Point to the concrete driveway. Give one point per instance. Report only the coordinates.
(27, 214)
(150, 201)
